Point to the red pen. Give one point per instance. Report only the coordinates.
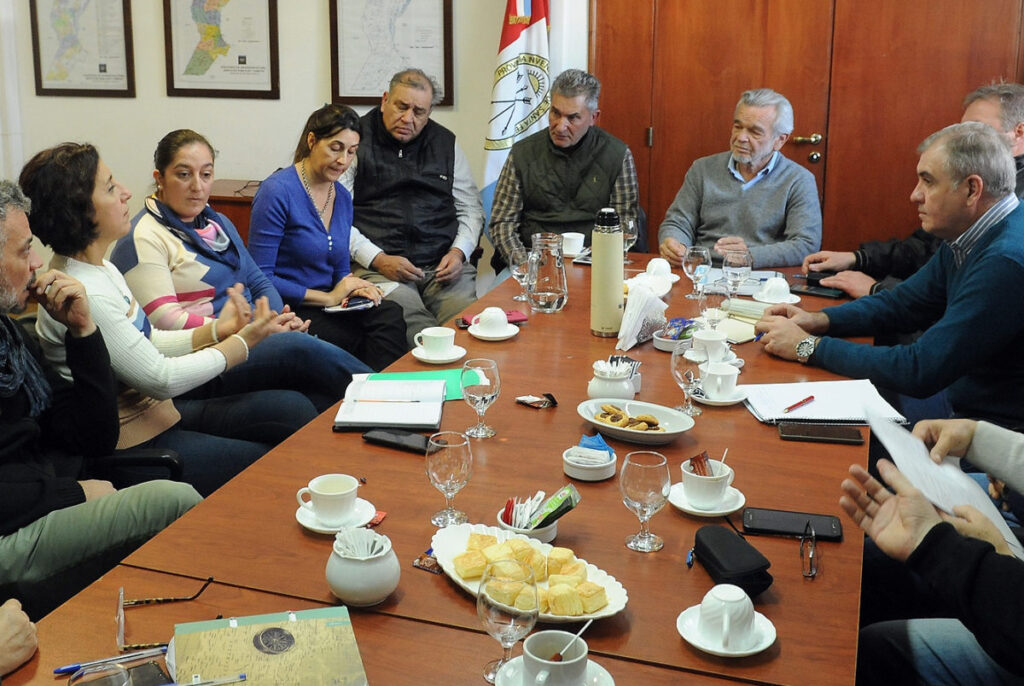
(803, 402)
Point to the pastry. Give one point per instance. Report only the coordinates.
(592, 596)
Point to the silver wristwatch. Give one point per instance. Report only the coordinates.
(805, 348)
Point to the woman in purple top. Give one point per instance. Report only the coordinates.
(299, 236)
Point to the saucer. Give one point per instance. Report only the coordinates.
(362, 512)
(574, 255)
(686, 625)
(510, 331)
(738, 396)
(512, 672)
(700, 356)
(456, 353)
(734, 500)
(791, 299)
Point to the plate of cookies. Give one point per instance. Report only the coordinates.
(570, 589)
(634, 421)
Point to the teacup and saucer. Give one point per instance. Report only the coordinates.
(492, 325)
(726, 624)
(707, 496)
(436, 345)
(776, 291)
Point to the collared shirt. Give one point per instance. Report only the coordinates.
(734, 168)
(965, 242)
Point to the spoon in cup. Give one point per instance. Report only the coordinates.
(560, 655)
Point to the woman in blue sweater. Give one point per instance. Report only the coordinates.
(299, 237)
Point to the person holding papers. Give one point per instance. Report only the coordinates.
(976, 634)
(973, 332)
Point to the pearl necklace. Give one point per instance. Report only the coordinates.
(309, 191)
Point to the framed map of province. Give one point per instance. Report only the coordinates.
(221, 48)
(82, 47)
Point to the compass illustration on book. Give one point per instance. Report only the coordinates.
(273, 641)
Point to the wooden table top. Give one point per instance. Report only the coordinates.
(246, 534)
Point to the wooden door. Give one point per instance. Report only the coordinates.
(900, 71)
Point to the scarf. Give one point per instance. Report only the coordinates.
(20, 369)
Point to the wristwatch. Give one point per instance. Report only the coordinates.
(805, 348)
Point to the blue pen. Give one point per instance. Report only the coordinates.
(127, 657)
(758, 337)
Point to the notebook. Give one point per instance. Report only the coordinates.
(408, 404)
(840, 402)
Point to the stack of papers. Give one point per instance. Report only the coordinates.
(748, 287)
(841, 402)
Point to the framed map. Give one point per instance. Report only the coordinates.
(82, 47)
(221, 48)
(373, 39)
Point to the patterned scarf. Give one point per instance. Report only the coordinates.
(18, 368)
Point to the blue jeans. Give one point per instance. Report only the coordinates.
(936, 652)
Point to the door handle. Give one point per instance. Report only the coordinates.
(813, 139)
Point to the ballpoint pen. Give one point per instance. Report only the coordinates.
(796, 405)
(127, 657)
(235, 678)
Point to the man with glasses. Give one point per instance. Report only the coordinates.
(417, 213)
(750, 197)
(59, 528)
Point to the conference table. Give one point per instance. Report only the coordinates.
(247, 538)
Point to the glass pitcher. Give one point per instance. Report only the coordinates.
(546, 286)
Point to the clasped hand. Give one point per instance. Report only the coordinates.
(783, 326)
(254, 322)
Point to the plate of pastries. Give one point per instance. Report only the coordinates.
(634, 421)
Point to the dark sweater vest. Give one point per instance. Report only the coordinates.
(563, 188)
(403, 191)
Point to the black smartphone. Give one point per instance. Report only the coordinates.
(758, 520)
(148, 674)
(819, 291)
(820, 433)
(398, 438)
(358, 302)
(814, 278)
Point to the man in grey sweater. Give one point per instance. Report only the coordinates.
(750, 197)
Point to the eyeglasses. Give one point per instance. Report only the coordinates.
(122, 604)
(809, 552)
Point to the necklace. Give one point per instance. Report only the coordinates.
(309, 191)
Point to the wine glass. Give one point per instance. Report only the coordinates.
(629, 236)
(481, 385)
(645, 483)
(682, 372)
(519, 266)
(110, 674)
(507, 606)
(710, 304)
(695, 257)
(449, 463)
(736, 265)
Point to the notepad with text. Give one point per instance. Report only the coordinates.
(409, 404)
(841, 402)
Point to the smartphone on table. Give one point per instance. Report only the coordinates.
(757, 520)
(398, 438)
(820, 433)
(819, 291)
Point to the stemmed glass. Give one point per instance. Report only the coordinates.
(449, 463)
(710, 304)
(481, 385)
(519, 266)
(695, 256)
(110, 674)
(629, 236)
(682, 372)
(507, 606)
(736, 265)
(645, 482)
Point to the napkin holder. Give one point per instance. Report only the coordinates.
(730, 559)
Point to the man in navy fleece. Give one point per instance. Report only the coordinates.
(966, 298)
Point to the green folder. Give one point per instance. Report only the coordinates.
(452, 378)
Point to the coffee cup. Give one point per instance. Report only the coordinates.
(332, 498)
(436, 341)
(726, 618)
(706, 492)
(492, 321)
(712, 343)
(539, 668)
(572, 243)
(774, 290)
(659, 266)
(718, 380)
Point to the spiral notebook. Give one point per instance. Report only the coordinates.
(837, 402)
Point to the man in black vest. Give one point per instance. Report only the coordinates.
(417, 212)
(556, 180)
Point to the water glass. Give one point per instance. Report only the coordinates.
(629, 236)
(481, 385)
(694, 258)
(449, 462)
(519, 266)
(506, 603)
(688, 381)
(110, 674)
(644, 483)
(736, 265)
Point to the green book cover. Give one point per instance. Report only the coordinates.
(452, 379)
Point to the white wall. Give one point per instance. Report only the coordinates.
(255, 137)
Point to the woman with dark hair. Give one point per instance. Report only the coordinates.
(299, 237)
(79, 211)
(181, 258)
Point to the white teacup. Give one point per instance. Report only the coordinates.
(572, 243)
(712, 343)
(718, 380)
(538, 668)
(774, 290)
(726, 618)
(659, 266)
(332, 498)
(707, 492)
(436, 341)
(492, 321)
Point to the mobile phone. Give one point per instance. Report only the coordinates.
(462, 322)
(356, 302)
(820, 433)
(819, 291)
(148, 674)
(758, 520)
(398, 438)
(814, 278)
